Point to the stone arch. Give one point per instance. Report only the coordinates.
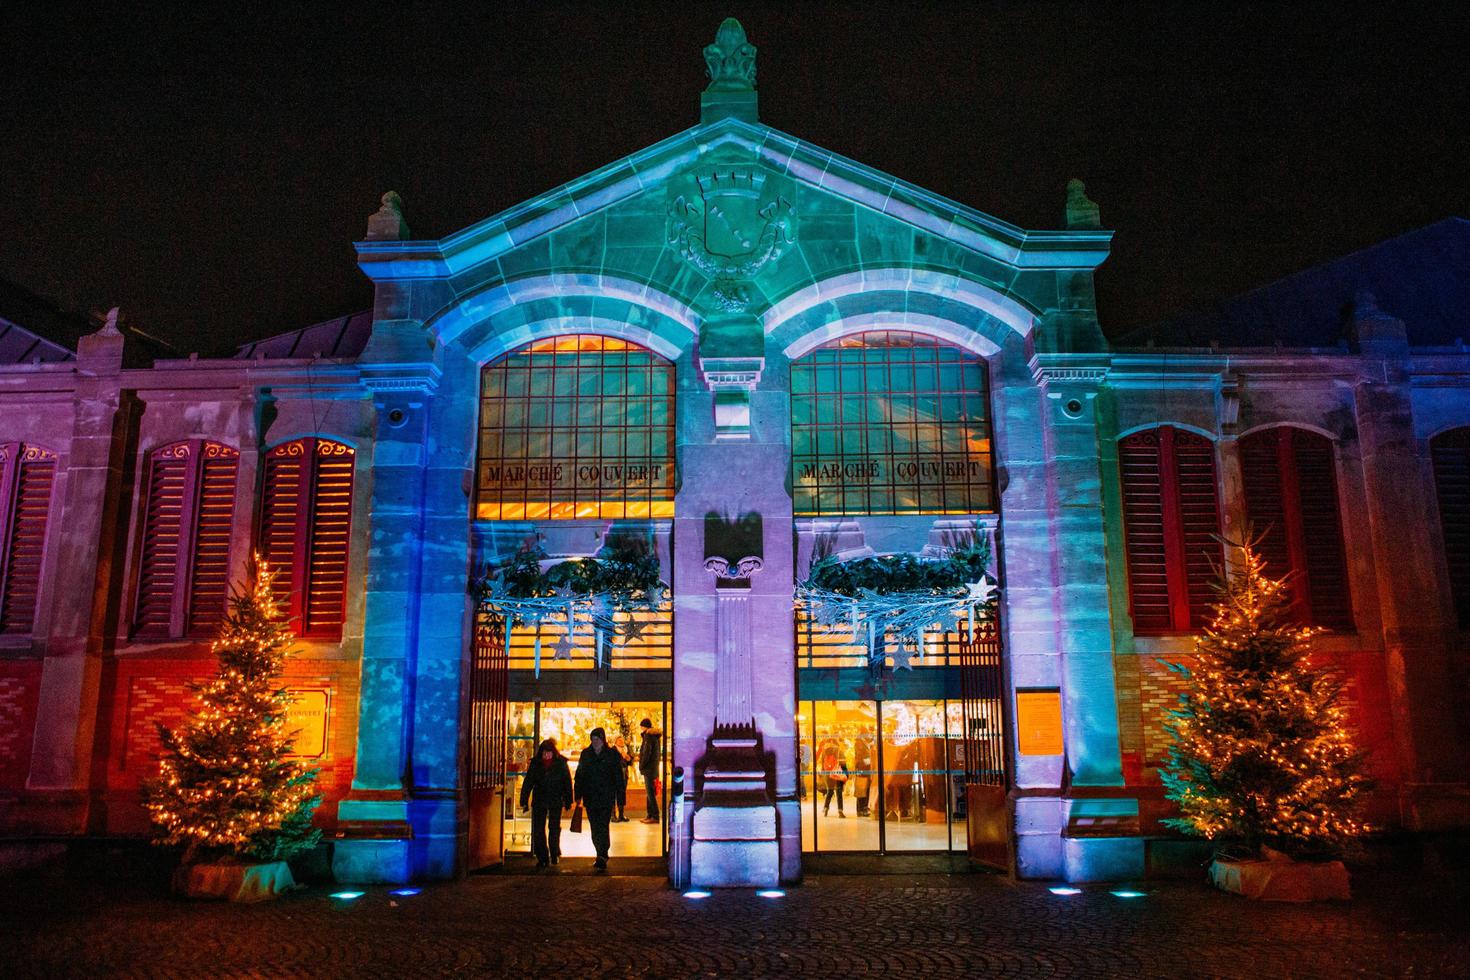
(498, 318)
(1305, 426)
(1160, 423)
(972, 307)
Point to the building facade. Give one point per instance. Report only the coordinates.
(739, 354)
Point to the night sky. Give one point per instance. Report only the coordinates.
(210, 172)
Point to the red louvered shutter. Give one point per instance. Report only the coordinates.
(1451, 454)
(31, 473)
(209, 576)
(1198, 504)
(158, 567)
(331, 525)
(306, 523)
(1265, 501)
(283, 521)
(1143, 528)
(1171, 520)
(1324, 557)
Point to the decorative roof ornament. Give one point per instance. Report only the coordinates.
(1082, 211)
(387, 224)
(731, 59)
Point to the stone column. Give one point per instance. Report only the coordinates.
(1405, 541)
(85, 523)
(733, 647)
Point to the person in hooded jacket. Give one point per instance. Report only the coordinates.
(598, 783)
(547, 786)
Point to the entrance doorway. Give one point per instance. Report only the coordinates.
(569, 724)
(882, 776)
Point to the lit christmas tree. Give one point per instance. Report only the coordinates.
(1261, 752)
(227, 784)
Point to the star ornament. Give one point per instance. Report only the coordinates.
(563, 648)
(981, 591)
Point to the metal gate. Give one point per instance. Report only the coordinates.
(982, 696)
(489, 686)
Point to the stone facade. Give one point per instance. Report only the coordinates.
(810, 248)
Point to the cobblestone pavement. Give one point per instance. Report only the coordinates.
(578, 925)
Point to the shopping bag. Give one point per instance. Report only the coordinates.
(576, 825)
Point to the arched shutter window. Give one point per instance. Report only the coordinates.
(26, 477)
(1451, 454)
(188, 517)
(305, 526)
(1290, 483)
(1171, 523)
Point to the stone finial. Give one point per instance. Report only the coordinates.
(731, 59)
(110, 323)
(387, 224)
(102, 352)
(1377, 333)
(1082, 212)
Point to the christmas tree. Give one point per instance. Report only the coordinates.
(1261, 753)
(227, 784)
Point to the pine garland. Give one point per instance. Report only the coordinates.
(227, 784)
(899, 598)
(1261, 752)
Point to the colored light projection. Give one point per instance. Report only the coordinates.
(578, 426)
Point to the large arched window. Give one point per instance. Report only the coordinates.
(26, 475)
(890, 422)
(1451, 454)
(188, 517)
(305, 529)
(1290, 482)
(576, 426)
(1171, 526)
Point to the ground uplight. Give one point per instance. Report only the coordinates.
(1065, 890)
(347, 896)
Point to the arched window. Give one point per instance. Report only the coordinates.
(576, 426)
(1290, 482)
(1451, 454)
(305, 529)
(888, 422)
(184, 562)
(1171, 523)
(26, 475)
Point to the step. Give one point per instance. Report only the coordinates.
(735, 822)
(735, 864)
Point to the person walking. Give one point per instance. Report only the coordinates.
(621, 745)
(599, 779)
(834, 767)
(547, 786)
(649, 758)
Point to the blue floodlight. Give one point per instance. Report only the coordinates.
(1065, 890)
(696, 894)
(771, 893)
(1125, 893)
(347, 896)
(405, 892)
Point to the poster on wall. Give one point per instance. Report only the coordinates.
(307, 717)
(1039, 722)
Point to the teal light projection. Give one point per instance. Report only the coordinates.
(890, 422)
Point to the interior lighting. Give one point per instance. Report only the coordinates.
(405, 892)
(1065, 890)
(771, 893)
(347, 896)
(696, 894)
(1125, 893)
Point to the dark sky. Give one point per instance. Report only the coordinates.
(209, 172)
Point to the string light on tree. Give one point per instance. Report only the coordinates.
(1261, 753)
(227, 784)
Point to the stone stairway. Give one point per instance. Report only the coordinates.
(735, 843)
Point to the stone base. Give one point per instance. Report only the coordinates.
(234, 882)
(1283, 880)
(735, 864)
(1102, 859)
(381, 861)
(1431, 807)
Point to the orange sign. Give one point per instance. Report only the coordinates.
(307, 716)
(1039, 722)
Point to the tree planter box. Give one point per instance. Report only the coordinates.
(234, 882)
(1282, 880)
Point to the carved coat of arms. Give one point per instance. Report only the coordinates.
(730, 221)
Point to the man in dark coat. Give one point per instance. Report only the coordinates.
(547, 785)
(599, 780)
(648, 766)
